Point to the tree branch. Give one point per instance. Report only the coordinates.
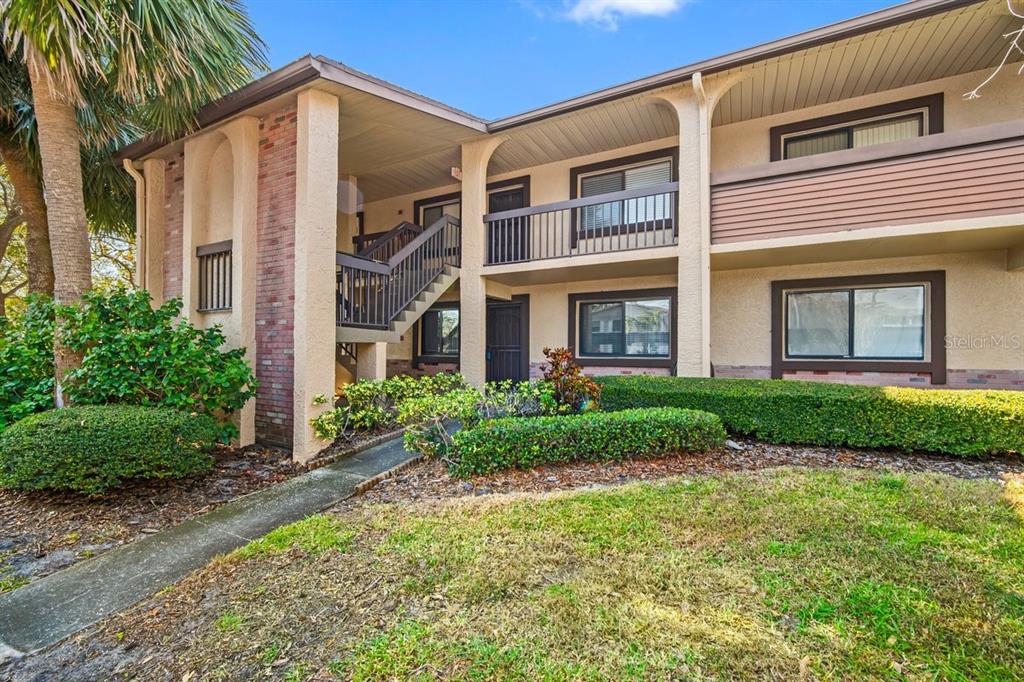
(1015, 46)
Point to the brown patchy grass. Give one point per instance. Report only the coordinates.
(785, 574)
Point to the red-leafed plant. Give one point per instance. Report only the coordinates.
(574, 391)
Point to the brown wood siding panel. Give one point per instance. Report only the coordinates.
(967, 182)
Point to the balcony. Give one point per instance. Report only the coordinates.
(964, 175)
(641, 218)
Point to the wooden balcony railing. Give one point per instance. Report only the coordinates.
(619, 221)
(960, 174)
(372, 294)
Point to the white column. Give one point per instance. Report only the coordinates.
(693, 296)
(472, 287)
(316, 208)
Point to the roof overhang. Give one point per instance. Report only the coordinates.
(866, 23)
(308, 70)
(302, 72)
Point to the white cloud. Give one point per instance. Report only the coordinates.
(607, 13)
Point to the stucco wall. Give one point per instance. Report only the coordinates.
(983, 301)
(747, 143)
(549, 307)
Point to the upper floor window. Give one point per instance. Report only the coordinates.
(645, 170)
(430, 213)
(855, 135)
(856, 128)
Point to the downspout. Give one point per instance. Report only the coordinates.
(140, 222)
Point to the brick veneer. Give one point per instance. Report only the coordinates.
(174, 218)
(405, 368)
(537, 373)
(1012, 379)
(275, 278)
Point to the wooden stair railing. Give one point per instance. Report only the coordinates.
(371, 294)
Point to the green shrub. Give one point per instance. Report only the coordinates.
(26, 362)
(131, 354)
(138, 355)
(374, 405)
(525, 442)
(428, 418)
(969, 423)
(91, 449)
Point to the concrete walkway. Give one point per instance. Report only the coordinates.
(48, 610)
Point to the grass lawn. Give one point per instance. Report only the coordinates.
(784, 574)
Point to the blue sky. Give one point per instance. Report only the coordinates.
(500, 57)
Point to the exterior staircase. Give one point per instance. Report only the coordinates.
(379, 300)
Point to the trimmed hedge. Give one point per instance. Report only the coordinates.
(91, 449)
(525, 442)
(966, 423)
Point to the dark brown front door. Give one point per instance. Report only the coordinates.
(508, 339)
(509, 238)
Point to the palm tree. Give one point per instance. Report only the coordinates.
(163, 58)
(19, 153)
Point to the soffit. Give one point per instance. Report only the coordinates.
(958, 41)
(961, 40)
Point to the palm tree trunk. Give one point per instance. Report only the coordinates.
(65, 203)
(28, 192)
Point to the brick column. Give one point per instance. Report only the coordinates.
(155, 172)
(472, 287)
(316, 213)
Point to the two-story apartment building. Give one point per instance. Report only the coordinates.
(826, 206)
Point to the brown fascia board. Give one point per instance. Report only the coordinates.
(299, 72)
(907, 11)
(296, 74)
(309, 68)
(337, 72)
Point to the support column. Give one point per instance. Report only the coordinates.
(1015, 258)
(472, 286)
(243, 134)
(693, 274)
(371, 361)
(348, 207)
(694, 106)
(316, 209)
(153, 229)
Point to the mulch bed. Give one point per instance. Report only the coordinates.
(43, 532)
(430, 480)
